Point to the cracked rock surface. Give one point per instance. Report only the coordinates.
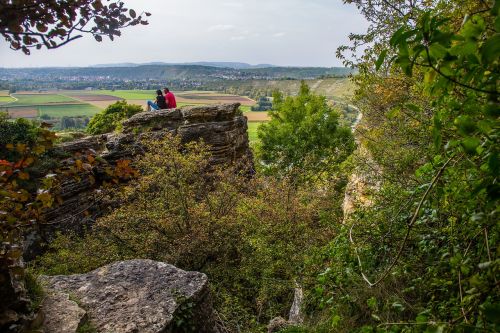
(128, 296)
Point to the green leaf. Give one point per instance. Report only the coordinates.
(422, 318)
(413, 108)
(465, 124)
(380, 59)
(437, 138)
(396, 37)
(491, 49)
(406, 65)
(492, 313)
(494, 163)
(470, 144)
(492, 110)
(464, 49)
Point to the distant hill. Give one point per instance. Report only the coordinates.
(234, 65)
(190, 72)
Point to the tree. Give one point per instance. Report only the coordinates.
(29, 24)
(109, 119)
(422, 254)
(16, 131)
(304, 137)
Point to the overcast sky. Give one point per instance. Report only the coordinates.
(280, 32)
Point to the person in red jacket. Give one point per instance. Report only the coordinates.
(170, 98)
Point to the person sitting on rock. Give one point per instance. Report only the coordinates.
(160, 102)
(169, 96)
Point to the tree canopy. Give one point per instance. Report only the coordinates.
(109, 119)
(27, 24)
(304, 136)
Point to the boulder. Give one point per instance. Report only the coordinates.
(129, 296)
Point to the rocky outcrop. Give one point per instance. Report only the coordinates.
(295, 317)
(129, 296)
(222, 127)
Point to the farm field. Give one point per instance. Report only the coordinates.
(40, 99)
(184, 97)
(258, 116)
(68, 110)
(252, 131)
(87, 103)
(104, 98)
(55, 105)
(6, 99)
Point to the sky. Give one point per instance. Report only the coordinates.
(278, 32)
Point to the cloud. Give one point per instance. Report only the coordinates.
(221, 27)
(279, 34)
(238, 37)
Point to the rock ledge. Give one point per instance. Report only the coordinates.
(128, 296)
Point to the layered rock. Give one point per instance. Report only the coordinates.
(129, 296)
(222, 127)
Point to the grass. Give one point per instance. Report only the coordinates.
(252, 131)
(40, 99)
(70, 110)
(6, 99)
(245, 108)
(127, 94)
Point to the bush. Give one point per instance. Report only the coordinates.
(16, 131)
(111, 118)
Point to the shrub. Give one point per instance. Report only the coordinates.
(110, 119)
(16, 131)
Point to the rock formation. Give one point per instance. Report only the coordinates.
(129, 296)
(222, 127)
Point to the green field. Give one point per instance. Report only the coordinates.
(127, 94)
(69, 110)
(6, 99)
(252, 131)
(39, 99)
(150, 94)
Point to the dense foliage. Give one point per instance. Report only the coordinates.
(415, 247)
(252, 237)
(29, 24)
(110, 119)
(263, 104)
(16, 131)
(420, 251)
(303, 138)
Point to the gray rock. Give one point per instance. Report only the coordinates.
(277, 324)
(221, 112)
(132, 296)
(61, 315)
(153, 120)
(296, 317)
(94, 142)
